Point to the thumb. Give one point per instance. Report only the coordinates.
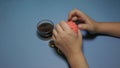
(83, 26)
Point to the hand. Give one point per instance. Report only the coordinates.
(67, 40)
(87, 23)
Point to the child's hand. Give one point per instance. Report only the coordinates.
(87, 23)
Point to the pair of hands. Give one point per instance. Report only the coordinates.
(66, 39)
(70, 43)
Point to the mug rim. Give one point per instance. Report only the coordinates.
(47, 21)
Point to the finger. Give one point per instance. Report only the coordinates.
(53, 37)
(76, 13)
(55, 34)
(74, 18)
(72, 14)
(79, 33)
(83, 26)
(64, 26)
(78, 20)
(55, 41)
(59, 29)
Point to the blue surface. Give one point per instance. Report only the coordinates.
(20, 46)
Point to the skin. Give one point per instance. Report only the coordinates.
(110, 28)
(71, 44)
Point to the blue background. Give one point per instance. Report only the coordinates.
(20, 47)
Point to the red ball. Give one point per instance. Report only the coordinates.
(73, 26)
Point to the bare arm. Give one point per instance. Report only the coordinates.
(77, 61)
(110, 28)
(70, 44)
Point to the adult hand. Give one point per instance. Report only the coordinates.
(67, 40)
(86, 22)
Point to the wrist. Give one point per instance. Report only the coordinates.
(73, 53)
(77, 61)
(98, 27)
